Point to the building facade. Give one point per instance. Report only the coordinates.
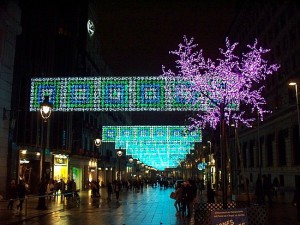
(10, 16)
(57, 39)
(271, 147)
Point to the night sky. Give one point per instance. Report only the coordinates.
(136, 37)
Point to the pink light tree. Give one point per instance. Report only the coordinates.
(230, 88)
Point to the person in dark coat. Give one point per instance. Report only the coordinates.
(259, 192)
(12, 194)
(42, 195)
(117, 189)
(267, 188)
(210, 193)
(21, 190)
(109, 191)
(296, 202)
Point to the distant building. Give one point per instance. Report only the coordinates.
(275, 141)
(57, 39)
(10, 17)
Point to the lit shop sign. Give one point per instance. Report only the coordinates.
(60, 160)
(117, 94)
(202, 166)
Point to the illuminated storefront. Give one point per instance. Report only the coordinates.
(77, 176)
(60, 167)
(93, 170)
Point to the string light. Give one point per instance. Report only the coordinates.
(222, 85)
(116, 94)
(159, 146)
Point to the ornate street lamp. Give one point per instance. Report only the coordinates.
(138, 168)
(130, 160)
(46, 108)
(119, 154)
(97, 142)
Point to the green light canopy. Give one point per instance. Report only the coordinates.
(116, 94)
(157, 146)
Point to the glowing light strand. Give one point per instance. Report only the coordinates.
(225, 83)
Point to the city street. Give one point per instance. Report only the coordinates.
(152, 206)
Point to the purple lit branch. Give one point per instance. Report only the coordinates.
(224, 82)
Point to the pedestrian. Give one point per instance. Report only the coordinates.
(97, 189)
(117, 189)
(275, 186)
(259, 192)
(184, 200)
(296, 202)
(42, 195)
(267, 188)
(12, 194)
(62, 187)
(178, 197)
(191, 196)
(109, 191)
(210, 194)
(74, 188)
(50, 189)
(21, 190)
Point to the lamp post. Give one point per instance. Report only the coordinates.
(138, 168)
(97, 143)
(119, 154)
(210, 159)
(130, 160)
(45, 110)
(292, 83)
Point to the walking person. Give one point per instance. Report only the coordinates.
(210, 193)
(178, 197)
(267, 188)
(109, 191)
(117, 189)
(74, 189)
(62, 187)
(259, 192)
(12, 194)
(21, 190)
(42, 195)
(296, 202)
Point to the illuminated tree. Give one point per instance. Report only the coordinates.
(230, 87)
(226, 84)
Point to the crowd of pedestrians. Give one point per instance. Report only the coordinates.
(46, 190)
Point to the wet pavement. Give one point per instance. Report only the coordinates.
(153, 206)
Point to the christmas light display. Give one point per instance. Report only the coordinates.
(228, 81)
(159, 146)
(223, 84)
(116, 94)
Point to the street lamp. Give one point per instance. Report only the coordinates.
(210, 159)
(130, 160)
(138, 168)
(119, 154)
(45, 110)
(292, 83)
(97, 142)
